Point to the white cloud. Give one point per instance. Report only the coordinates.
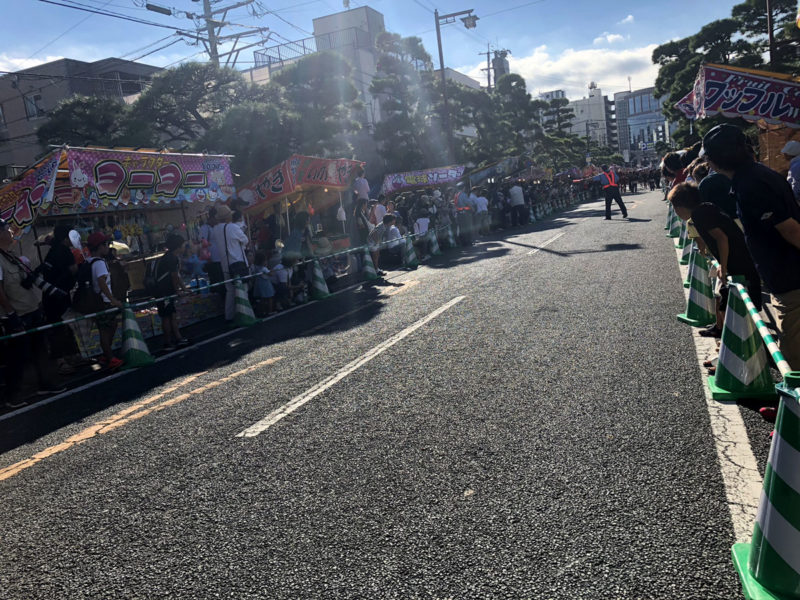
(608, 38)
(12, 63)
(626, 21)
(572, 70)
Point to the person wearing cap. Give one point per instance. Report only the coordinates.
(97, 243)
(770, 217)
(20, 308)
(792, 153)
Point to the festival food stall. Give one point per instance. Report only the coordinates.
(318, 186)
(397, 183)
(771, 100)
(137, 197)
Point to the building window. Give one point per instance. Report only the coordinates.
(630, 106)
(32, 108)
(2, 117)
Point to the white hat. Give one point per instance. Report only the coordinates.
(792, 148)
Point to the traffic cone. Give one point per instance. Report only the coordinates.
(670, 212)
(688, 248)
(743, 368)
(451, 238)
(683, 238)
(134, 349)
(434, 243)
(243, 315)
(769, 566)
(319, 288)
(700, 309)
(692, 258)
(370, 274)
(409, 256)
(674, 226)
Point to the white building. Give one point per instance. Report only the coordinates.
(552, 95)
(594, 118)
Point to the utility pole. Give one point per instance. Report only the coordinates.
(213, 27)
(488, 68)
(770, 32)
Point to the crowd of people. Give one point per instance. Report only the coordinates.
(746, 216)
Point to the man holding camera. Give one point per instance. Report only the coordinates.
(20, 306)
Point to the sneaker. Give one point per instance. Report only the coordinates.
(714, 332)
(769, 413)
(110, 365)
(183, 343)
(18, 403)
(51, 389)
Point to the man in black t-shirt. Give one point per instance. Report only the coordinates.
(724, 240)
(168, 283)
(771, 220)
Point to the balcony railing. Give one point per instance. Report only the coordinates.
(276, 56)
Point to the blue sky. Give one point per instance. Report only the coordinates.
(554, 43)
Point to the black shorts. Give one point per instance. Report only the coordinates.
(166, 308)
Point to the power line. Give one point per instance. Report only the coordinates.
(58, 37)
(110, 14)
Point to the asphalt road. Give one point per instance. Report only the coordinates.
(545, 436)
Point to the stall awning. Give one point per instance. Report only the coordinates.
(84, 180)
(401, 182)
(297, 174)
(503, 168)
(749, 94)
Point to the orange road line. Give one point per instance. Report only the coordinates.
(128, 415)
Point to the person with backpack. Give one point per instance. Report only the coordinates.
(99, 296)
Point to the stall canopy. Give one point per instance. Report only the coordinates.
(746, 93)
(503, 168)
(402, 182)
(298, 175)
(84, 180)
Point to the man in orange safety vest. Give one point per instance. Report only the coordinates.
(610, 182)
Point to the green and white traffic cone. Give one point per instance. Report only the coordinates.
(743, 368)
(686, 255)
(674, 226)
(700, 310)
(769, 566)
(434, 243)
(683, 238)
(409, 256)
(134, 349)
(692, 257)
(243, 315)
(670, 212)
(319, 288)
(451, 238)
(370, 274)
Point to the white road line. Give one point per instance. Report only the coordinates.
(298, 401)
(547, 243)
(738, 464)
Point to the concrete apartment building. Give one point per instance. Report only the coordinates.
(27, 96)
(594, 117)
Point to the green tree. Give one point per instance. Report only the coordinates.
(93, 120)
(409, 133)
(183, 103)
(752, 18)
(320, 104)
(558, 116)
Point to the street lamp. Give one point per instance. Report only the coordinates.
(470, 22)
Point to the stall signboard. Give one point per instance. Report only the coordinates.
(500, 169)
(298, 172)
(102, 180)
(686, 106)
(21, 200)
(399, 182)
(746, 93)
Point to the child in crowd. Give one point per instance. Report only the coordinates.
(170, 283)
(724, 240)
(282, 281)
(263, 290)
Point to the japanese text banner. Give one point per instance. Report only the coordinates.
(749, 95)
(21, 200)
(397, 182)
(102, 180)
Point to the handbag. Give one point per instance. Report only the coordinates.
(238, 268)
